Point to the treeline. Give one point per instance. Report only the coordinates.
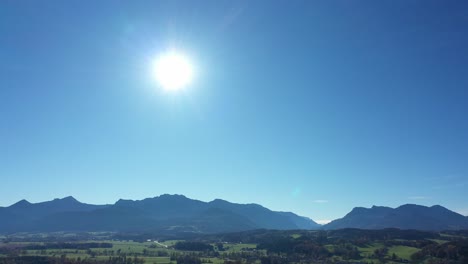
(57, 237)
(288, 249)
(360, 237)
(193, 246)
(187, 259)
(64, 260)
(160, 235)
(295, 249)
(381, 234)
(80, 246)
(409, 243)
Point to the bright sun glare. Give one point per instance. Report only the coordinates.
(173, 71)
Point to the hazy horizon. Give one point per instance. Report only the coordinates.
(312, 107)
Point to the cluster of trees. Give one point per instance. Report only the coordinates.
(273, 260)
(158, 253)
(346, 251)
(456, 251)
(193, 246)
(302, 246)
(188, 259)
(241, 257)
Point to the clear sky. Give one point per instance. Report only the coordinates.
(307, 106)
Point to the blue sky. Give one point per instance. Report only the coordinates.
(313, 107)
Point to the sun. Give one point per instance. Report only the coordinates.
(173, 71)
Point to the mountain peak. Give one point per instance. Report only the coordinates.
(219, 201)
(411, 205)
(67, 199)
(124, 202)
(22, 203)
(357, 210)
(172, 196)
(380, 207)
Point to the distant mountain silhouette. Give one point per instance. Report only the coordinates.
(408, 216)
(261, 216)
(166, 212)
(24, 215)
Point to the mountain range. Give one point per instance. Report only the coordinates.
(408, 216)
(177, 213)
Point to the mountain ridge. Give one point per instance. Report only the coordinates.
(406, 216)
(164, 212)
(182, 214)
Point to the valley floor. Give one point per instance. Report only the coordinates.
(261, 246)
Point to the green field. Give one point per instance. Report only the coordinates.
(130, 249)
(439, 241)
(369, 250)
(296, 236)
(402, 251)
(231, 247)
